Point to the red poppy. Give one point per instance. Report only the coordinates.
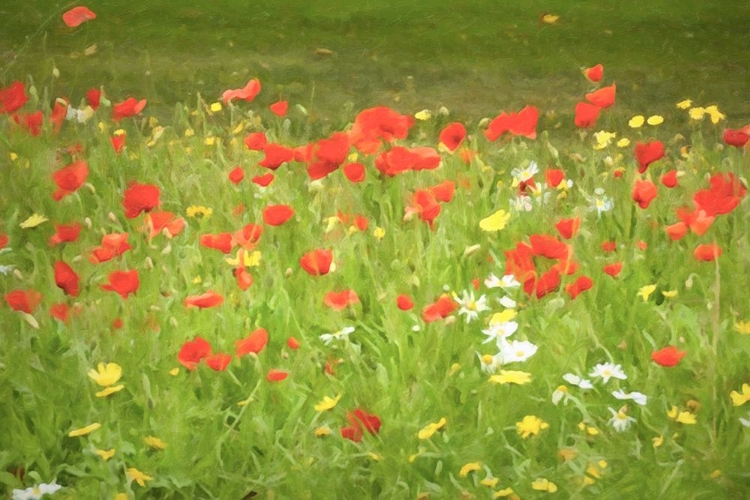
(399, 159)
(669, 179)
(94, 97)
(339, 301)
(676, 231)
(697, 220)
(453, 135)
(360, 421)
(668, 357)
(30, 121)
(263, 180)
(77, 16)
(568, 227)
(737, 138)
(317, 262)
(204, 300)
(554, 177)
(276, 155)
(255, 342)
(582, 284)
(548, 246)
(129, 107)
(113, 245)
(163, 222)
(192, 352)
(613, 269)
(292, 343)
(244, 279)
(647, 153)
(23, 300)
(404, 302)
(60, 311)
(58, 114)
(3, 240)
(279, 108)
(66, 278)
(275, 375)
(12, 97)
(586, 115)
(371, 126)
(609, 246)
(276, 215)
(439, 309)
(223, 242)
(117, 323)
(707, 252)
(642, 245)
(425, 204)
(319, 170)
(236, 175)
(546, 283)
(594, 73)
(140, 198)
(722, 197)
(644, 193)
(118, 142)
(355, 172)
(444, 191)
(256, 141)
(603, 98)
(122, 282)
(522, 123)
(248, 236)
(218, 362)
(69, 179)
(247, 93)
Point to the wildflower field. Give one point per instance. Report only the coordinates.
(227, 303)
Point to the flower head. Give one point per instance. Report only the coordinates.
(327, 338)
(469, 306)
(620, 419)
(607, 371)
(530, 425)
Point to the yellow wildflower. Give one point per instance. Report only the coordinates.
(645, 292)
(657, 441)
(189, 132)
(109, 390)
(530, 425)
(682, 417)
(511, 377)
(248, 259)
(503, 493)
(106, 454)
(655, 120)
(210, 140)
(542, 484)
(669, 294)
(322, 431)
(470, 467)
(636, 121)
(739, 399)
(623, 143)
(33, 221)
(603, 139)
(138, 476)
(121, 496)
(495, 222)
(567, 454)
(106, 374)
(742, 327)
(431, 428)
(375, 456)
(174, 372)
(378, 232)
(423, 115)
(216, 107)
(503, 317)
(715, 114)
(155, 443)
(199, 211)
(684, 104)
(327, 403)
(489, 481)
(83, 431)
(696, 113)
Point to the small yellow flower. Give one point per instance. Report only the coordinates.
(199, 211)
(503, 317)
(248, 259)
(550, 18)
(739, 399)
(375, 456)
(197, 280)
(682, 417)
(327, 403)
(696, 113)
(657, 441)
(542, 484)
(742, 327)
(189, 132)
(715, 474)
(454, 369)
(603, 139)
(109, 390)
(489, 481)
(216, 107)
(378, 232)
(239, 128)
(623, 143)
(503, 493)
(591, 431)
(33, 221)
(511, 377)
(174, 372)
(322, 431)
(416, 455)
(431, 428)
(669, 294)
(684, 104)
(636, 121)
(210, 140)
(423, 115)
(715, 114)
(106, 374)
(567, 454)
(655, 120)
(530, 424)
(121, 496)
(13, 156)
(106, 454)
(470, 467)
(83, 431)
(138, 476)
(645, 292)
(155, 443)
(495, 222)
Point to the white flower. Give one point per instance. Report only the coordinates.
(507, 303)
(521, 204)
(745, 421)
(524, 174)
(327, 338)
(600, 201)
(5, 270)
(620, 420)
(506, 282)
(492, 281)
(637, 397)
(489, 363)
(560, 394)
(607, 371)
(469, 306)
(516, 351)
(36, 492)
(577, 381)
(500, 331)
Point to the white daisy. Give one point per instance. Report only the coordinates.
(500, 331)
(525, 173)
(620, 420)
(637, 397)
(577, 381)
(560, 394)
(489, 363)
(469, 306)
(516, 351)
(521, 204)
(745, 421)
(327, 338)
(36, 492)
(607, 371)
(507, 303)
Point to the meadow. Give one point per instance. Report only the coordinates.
(248, 293)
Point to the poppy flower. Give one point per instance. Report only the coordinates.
(118, 142)
(159, 222)
(66, 278)
(722, 197)
(276, 155)
(404, 302)
(243, 278)
(218, 362)
(222, 242)
(58, 114)
(444, 191)
(276, 215)
(399, 159)
(644, 192)
(60, 311)
(453, 135)
(204, 300)
(23, 300)
(707, 252)
(613, 269)
(292, 343)
(69, 179)
(568, 227)
(275, 375)
(140, 198)
(248, 236)
(355, 172)
(374, 126)
(254, 342)
(647, 153)
(676, 231)
(30, 121)
(697, 220)
(122, 282)
(279, 108)
(586, 115)
(439, 309)
(3, 240)
(603, 98)
(425, 204)
(609, 246)
(594, 73)
(319, 170)
(236, 175)
(256, 141)
(668, 357)
(263, 180)
(546, 283)
(192, 352)
(522, 123)
(360, 421)
(582, 284)
(12, 97)
(316, 262)
(548, 246)
(94, 97)
(339, 301)
(247, 93)
(113, 245)
(669, 179)
(77, 16)
(737, 138)
(554, 177)
(129, 107)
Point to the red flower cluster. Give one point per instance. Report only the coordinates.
(522, 123)
(375, 126)
(360, 421)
